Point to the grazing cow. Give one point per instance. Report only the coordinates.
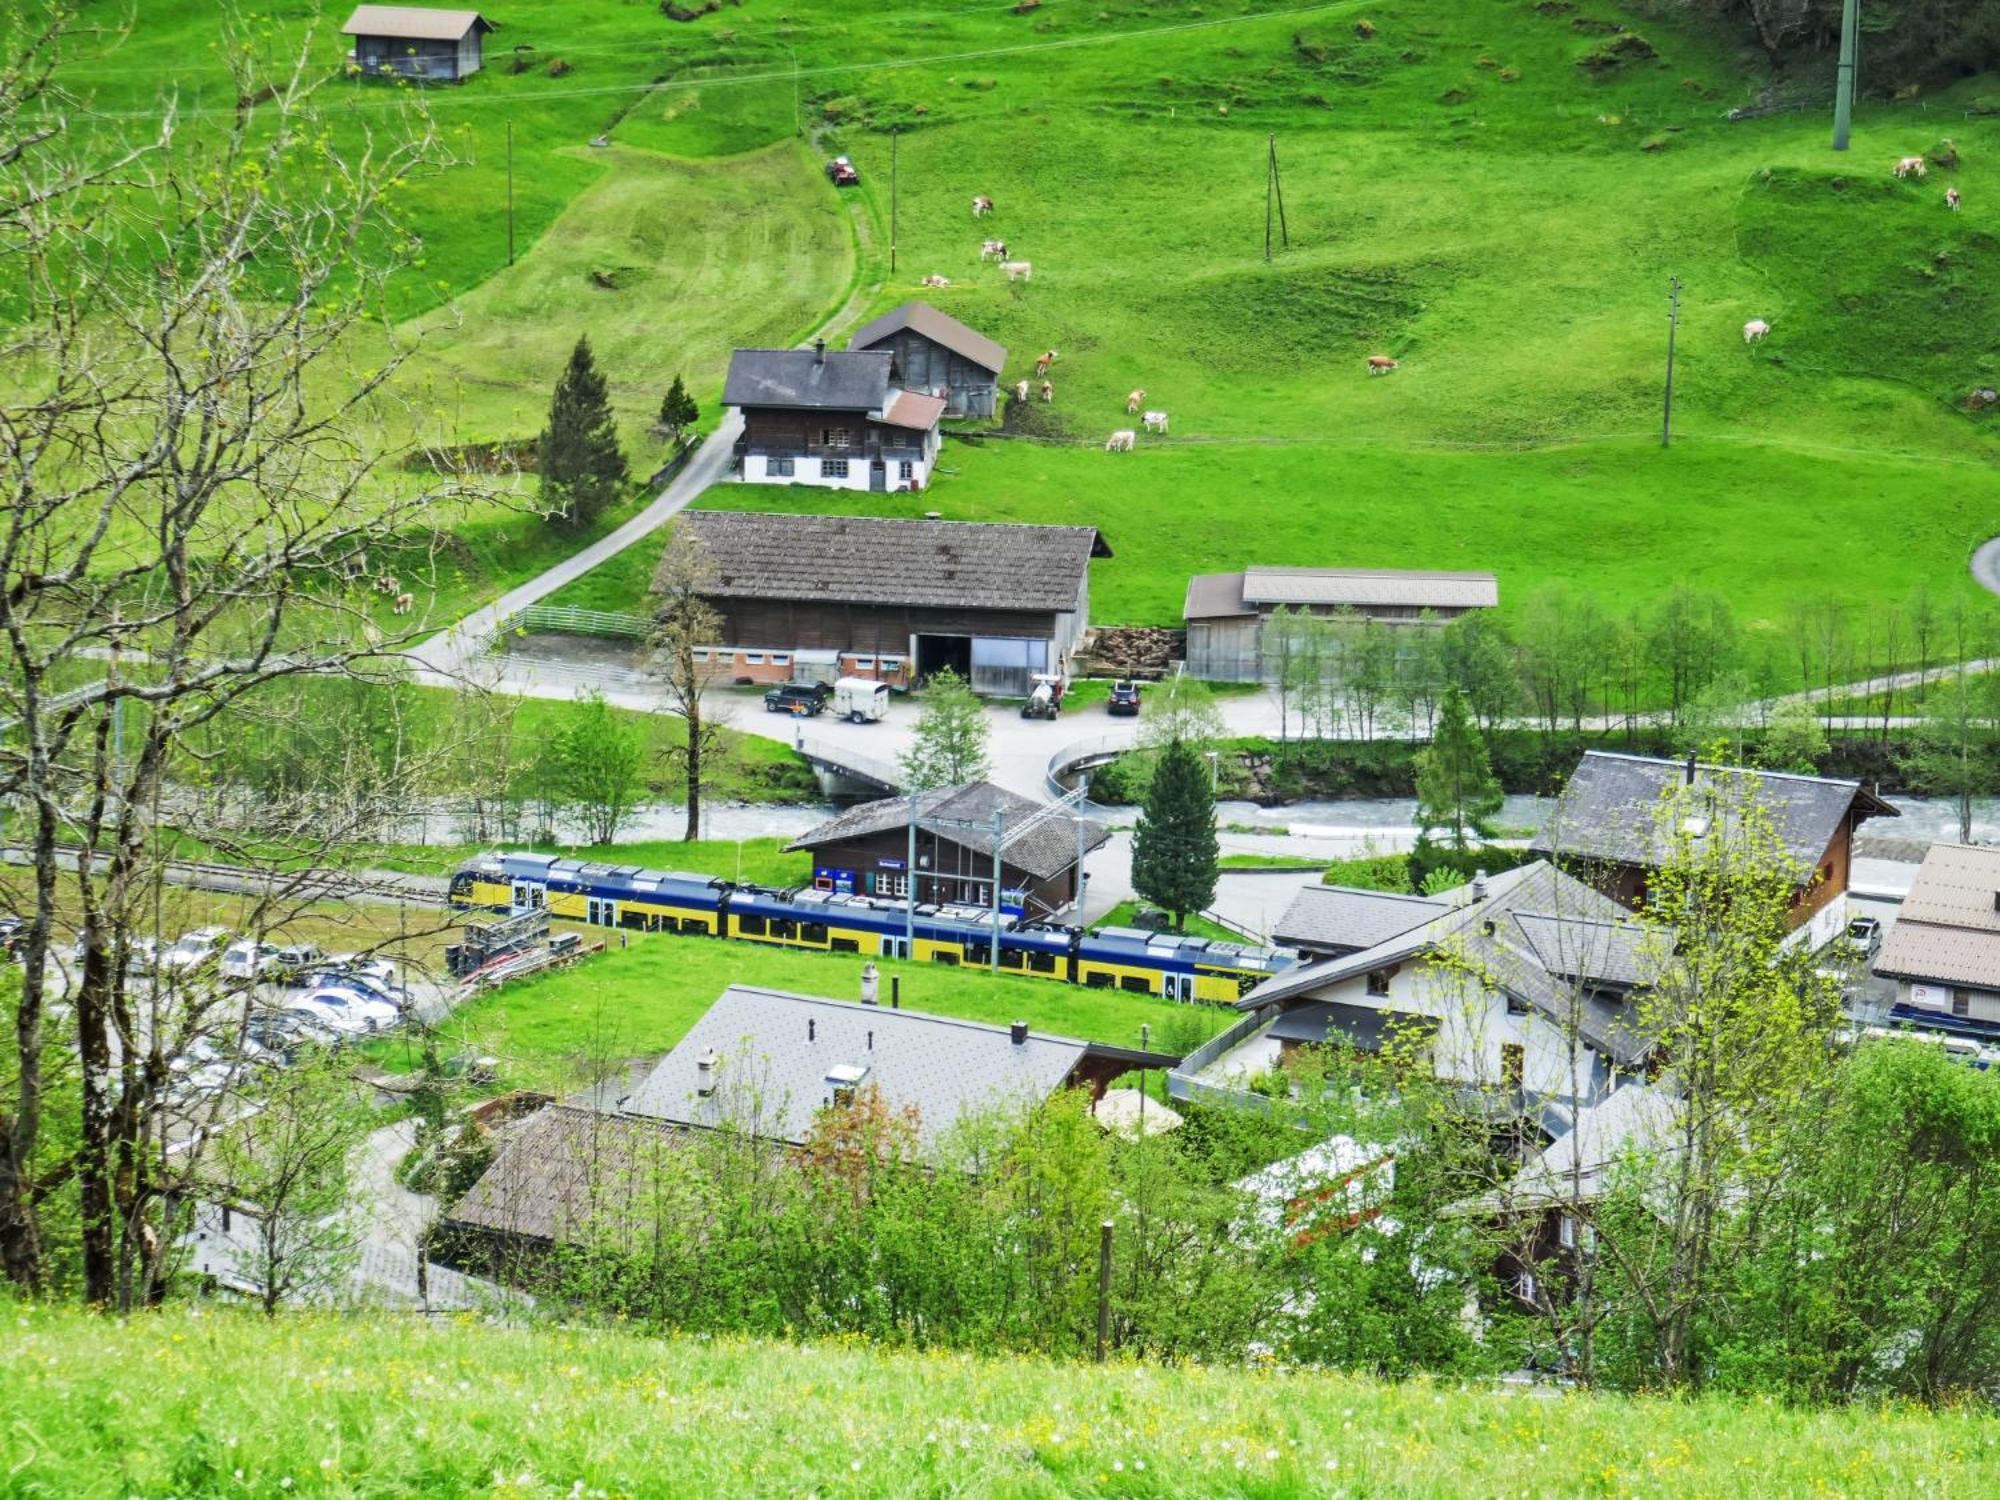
(388, 584)
(404, 604)
(1042, 364)
(1121, 441)
(993, 250)
(1018, 270)
(1134, 401)
(1380, 364)
(1020, 390)
(1911, 166)
(981, 206)
(1156, 421)
(1754, 330)
(936, 280)
(1951, 199)
(1048, 391)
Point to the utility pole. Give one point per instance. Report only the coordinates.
(1673, 325)
(510, 192)
(1277, 194)
(1843, 84)
(993, 939)
(910, 887)
(895, 135)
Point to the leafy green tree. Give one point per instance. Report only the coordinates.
(1174, 849)
(678, 410)
(581, 467)
(601, 753)
(948, 747)
(1952, 753)
(1457, 792)
(1477, 656)
(1796, 738)
(1691, 637)
(684, 625)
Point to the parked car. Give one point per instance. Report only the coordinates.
(1124, 699)
(293, 962)
(345, 1010)
(840, 172)
(1864, 936)
(375, 983)
(794, 698)
(246, 962)
(861, 700)
(195, 950)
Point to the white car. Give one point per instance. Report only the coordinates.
(195, 949)
(247, 961)
(368, 966)
(351, 1011)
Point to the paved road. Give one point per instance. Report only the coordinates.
(1986, 565)
(449, 652)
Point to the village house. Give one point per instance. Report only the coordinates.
(1227, 613)
(837, 420)
(895, 600)
(411, 41)
(938, 356)
(866, 850)
(1487, 988)
(1944, 949)
(1606, 826)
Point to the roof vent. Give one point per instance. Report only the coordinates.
(1478, 885)
(819, 351)
(844, 1079)
(704, 1073)
(1018, 1033)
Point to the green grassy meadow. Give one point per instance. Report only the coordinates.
(208, 1401)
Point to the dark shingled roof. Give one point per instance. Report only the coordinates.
(1338, 916)
(883, 560)
(843, 380)
(568, 1173)
(1609, 808)
(1044, 850)
(939, 328)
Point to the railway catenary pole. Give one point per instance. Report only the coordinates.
(1843, 86)
(1673, 326)
(910, 886)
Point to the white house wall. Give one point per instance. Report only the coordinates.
(757, 470)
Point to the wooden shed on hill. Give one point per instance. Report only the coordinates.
(413, 41)
(938, 355)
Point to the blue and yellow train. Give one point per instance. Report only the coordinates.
(1148, 963)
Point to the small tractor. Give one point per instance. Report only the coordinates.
(1045, 699)
(840, 172)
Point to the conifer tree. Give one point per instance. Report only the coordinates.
(1457, 793)
(678, 411)
(1174, 850)
(582, 469)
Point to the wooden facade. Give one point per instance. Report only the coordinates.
(924, 364)
(844, 450)
(414, 42)
(948, 872)
(894, 643)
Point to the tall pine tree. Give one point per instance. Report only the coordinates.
(678, 411)
(1457, 792)
(582, 470)
(1174, 849)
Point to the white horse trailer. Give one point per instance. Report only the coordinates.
(861, 700)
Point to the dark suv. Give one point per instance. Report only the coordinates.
(1124, 699)
(803, 699)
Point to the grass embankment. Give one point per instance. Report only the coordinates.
(1122, 914)
(208, 1402)
(641, 998)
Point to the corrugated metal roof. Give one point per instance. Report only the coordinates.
(1389, 587)
(939, 328)
(1337, 916)
(1215, 596)
(1949, 928)
(886, 560)
(838, 380)
(414, 22)
(777, 1049)
(917, 413)
(1043, 851)
(1609, 808)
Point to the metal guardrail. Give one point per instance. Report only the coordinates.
(566, 619)
(1095, 751)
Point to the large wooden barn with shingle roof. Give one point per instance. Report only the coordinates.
(876, 596)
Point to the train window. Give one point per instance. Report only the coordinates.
(978, 953)
(813, 932)
(750, 924)
(1042, 963)
(944, 956)
(1098, 980)
(1012, 958)
(1138, 984)
(784, 927)
(844, 945)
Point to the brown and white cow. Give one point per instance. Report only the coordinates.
(981, 206)
(936, 280)
(1121, 441)
(1043, 361)
(1380, 364)
(1911, 166)
(1017, 270)
(1020, 390)
(1951, 199)
(1048, 391)
(993, 250)
(1155, 421)
(1134, 401)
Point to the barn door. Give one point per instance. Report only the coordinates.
(878, 476)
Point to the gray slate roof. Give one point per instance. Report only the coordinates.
(1338, 916)
(1401, 588)
(1216, 596)
(775, 1050)
(1507, 955)
(1043, 851)
(568, 1173)
(382, 1274)
(884, 560)
(939, 328)
(1948, 931)
(841, 380)
(1608, 808)
(413, 22)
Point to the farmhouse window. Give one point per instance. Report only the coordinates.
(753, 658)
(1961, 1002)
(1378, 982)
(864, 663)
(781, 659)
(906, 470)
(778, 468)
(891, 883)
(701, 653)
(891, 663)
(1516, 1006)
(833, 468)
(833, 437)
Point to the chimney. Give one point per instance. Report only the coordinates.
(704, 1073)
(1690, 781)
(1018, 1033)
(1478, 885)
(871, 984)
(819, 351)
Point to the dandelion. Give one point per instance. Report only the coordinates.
(1118, 1466)
(855, 1467)
(1139, 1464)
(326, 1463)
(285, 1483)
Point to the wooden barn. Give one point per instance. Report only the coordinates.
(1226, 612)
(412, 41)
(834, 419)
(938, 355)
(895, 599)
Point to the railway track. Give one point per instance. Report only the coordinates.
(390, 887)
